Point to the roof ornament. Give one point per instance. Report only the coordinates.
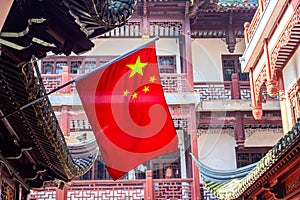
(110, 13)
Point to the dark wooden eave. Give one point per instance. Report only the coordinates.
(220, 21)
(32, 147)
(36, 27)
(30, 139)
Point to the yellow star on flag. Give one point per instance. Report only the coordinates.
(152, 79)
(134, 95)
(125, 93)
(146, 89)
(137, 67)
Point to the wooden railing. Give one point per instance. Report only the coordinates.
(149, 188)
(255, 20)
(172, 83)
(162, 189)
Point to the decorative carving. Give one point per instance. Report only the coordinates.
(259, 82)
(7, 192)
(257, 91)
(294, 98)
(257, 112)
(272, 89)
(110, 13)
(282, 47)
(230, 36)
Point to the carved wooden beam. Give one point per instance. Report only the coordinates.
(230, 36)
(272, 83)
(256, 93)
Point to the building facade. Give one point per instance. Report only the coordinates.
(206, 85)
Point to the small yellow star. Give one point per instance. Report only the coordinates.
(146, 89)
(134, 95)
(152, 79)
(137, 67)
(125, 93)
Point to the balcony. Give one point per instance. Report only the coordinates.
(226, 95)
(149, 188)
(262, 27)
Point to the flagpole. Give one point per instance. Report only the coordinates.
(118, 58)
(38, 99)
(80, 77)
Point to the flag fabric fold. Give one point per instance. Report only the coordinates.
(127, 110)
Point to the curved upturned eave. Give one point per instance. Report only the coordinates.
(73, 167)
(233, 189)
(214, 175)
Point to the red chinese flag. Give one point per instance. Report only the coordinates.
(127, 110)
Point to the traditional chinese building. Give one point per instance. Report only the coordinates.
(270, 58)
(199, 54)
(206, 86)
(33, 151)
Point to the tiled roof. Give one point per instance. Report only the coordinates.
(36, 27)
(33, 132)
(236, 187)
(222, 176)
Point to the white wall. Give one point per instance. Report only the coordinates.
(263, 139)
(292, 71)
(206, 58)
(217, 151)
(120, 46)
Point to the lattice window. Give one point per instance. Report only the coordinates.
(181, 124)
(47, 67)
(167, 64)
(231, 64)
(76, 67)
(89, 66)
(80, 125)
(59, 66)
(249, 155)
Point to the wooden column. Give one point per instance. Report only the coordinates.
(194, 150)
(187, 55)
(145, 21)
(62, 194)
(149, 190)
(283, 105)
(65, 79)
(235, 90)
(64, 121)
(239, 134)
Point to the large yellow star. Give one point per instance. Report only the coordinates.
(137, 67)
